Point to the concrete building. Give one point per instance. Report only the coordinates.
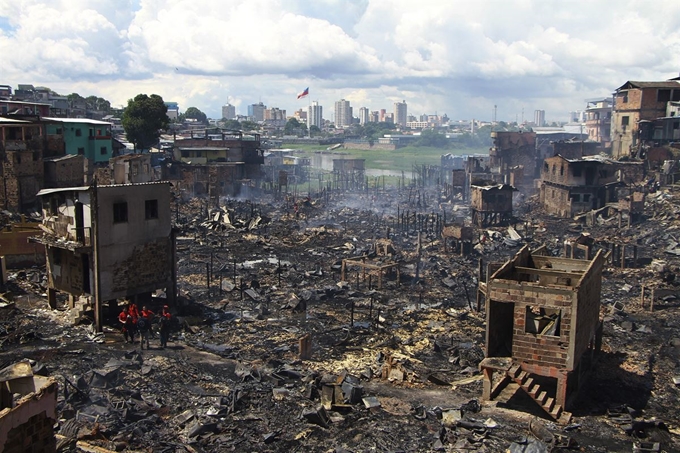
(543, 327)
(400, 114)
(363, 115)
(315, 115)
(256, 112)
(84, 137)
(599, 121)
(173, 110)
(539, 118)
(343, 114)
(22, 108)
(108, 242)
(635, 102)
(219, 165)
(228, 111)
(274, 114)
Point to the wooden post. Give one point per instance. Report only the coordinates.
(52, 298)
(623, 256)
(305, 347)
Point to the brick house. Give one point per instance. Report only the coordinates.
(542, 322)
(635, 102)
(108, 242)
(514, 155)
(27, 423)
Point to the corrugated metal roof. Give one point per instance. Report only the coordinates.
(75, 120)
(4, 120)
(62, 189)
(634, 84)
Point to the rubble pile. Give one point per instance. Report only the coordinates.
(272, 350)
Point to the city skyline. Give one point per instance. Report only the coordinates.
(460, 59)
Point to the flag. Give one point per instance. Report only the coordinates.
(304, 93)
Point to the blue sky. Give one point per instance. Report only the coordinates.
(459, 57)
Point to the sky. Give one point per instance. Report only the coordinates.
(457, 57)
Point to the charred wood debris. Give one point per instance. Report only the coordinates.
(272, 351)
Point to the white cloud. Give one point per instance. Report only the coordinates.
(455, 57)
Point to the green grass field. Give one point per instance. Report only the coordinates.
(397, 160)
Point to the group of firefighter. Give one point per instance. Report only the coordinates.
(142, 322)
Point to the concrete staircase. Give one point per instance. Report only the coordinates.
(534, 390)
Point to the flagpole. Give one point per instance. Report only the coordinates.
(309, 117)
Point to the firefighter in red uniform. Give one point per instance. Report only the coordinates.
(165, 326)
(128, 326)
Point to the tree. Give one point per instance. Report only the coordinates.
(294, 127)
(143, 119)
(97, 103)
(433, 139)
(231, 125)
(196, 114)
(250, 126)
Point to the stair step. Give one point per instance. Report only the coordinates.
(514, 370)
(541, 397)
(533, 392)
(556, 412)
(526, 385)
(523, 376)
(548, 405)
(565, 418)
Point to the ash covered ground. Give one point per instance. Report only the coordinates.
(391, 369)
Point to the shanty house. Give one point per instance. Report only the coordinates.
(491, 204)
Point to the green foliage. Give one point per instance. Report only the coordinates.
(143, 119)
(196, 114)
(97, 103)
(250, 126)
(374, 131)
(432, 139)
(231, 125)
(294, 127)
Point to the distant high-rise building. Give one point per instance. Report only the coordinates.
(578, 116)
(228, 111)
(315, 115)
(382, 115)
(374, 117)
(400, 113)
(256, 111)
(539, 118)
(389, 118)
(343, 114)
(274, 114)
(363, 115)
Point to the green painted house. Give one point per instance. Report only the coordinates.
(82, 136)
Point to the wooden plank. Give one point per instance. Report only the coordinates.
(549, 272)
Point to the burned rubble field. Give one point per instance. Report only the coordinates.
(391, 369)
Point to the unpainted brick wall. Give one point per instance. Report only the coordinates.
(528, 347)
(149, 265)
(35, 436)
